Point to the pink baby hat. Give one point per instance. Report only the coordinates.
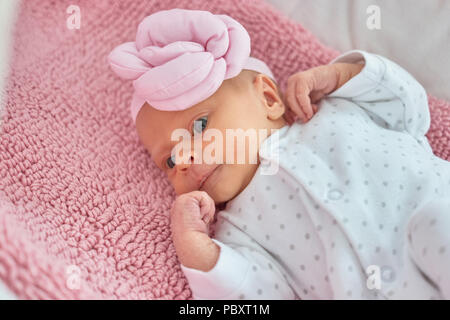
(181, 57)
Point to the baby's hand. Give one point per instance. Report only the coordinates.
(192, 211)
(306, 88)
(190, 218)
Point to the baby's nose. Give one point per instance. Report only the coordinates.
(193, 171)
(188, 159)
(185, 165)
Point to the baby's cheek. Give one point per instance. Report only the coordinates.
(231, 181)
(180, 186)
(219, 195)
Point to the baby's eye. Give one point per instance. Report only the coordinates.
(200, 124)
(171, 162)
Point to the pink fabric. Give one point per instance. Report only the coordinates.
(181, 57)
(79, 189)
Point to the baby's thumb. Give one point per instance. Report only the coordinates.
(207, 207)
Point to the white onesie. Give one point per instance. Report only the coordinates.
(358, 209)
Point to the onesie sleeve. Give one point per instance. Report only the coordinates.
(241, 272)
(387, 92)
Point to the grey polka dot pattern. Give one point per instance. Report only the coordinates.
(355, 188)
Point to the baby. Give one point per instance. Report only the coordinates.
(358, 207)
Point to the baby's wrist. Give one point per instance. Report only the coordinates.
(196, 250)
(345, 71)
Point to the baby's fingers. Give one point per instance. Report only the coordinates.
(289, 116)
(295, 97)
(207, 207)
(303, 100)
(293, 105)
(307, 108)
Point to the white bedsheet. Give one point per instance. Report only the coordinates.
(414, 33)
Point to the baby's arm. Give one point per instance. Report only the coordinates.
(216, 270)
(189, 221)
(243, 271)
(429, 242)
(388, 93)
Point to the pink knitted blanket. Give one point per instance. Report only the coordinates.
(84, 212)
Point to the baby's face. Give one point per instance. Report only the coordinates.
(248, 101)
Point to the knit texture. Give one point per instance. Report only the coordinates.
(84, 212)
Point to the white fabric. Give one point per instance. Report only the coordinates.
(415, 34)
(349, 185)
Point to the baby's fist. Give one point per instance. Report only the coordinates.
(192, 211)
(190, 218)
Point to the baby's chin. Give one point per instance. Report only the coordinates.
(226, 189)
(221, 197)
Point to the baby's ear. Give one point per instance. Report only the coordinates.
(270, 96)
